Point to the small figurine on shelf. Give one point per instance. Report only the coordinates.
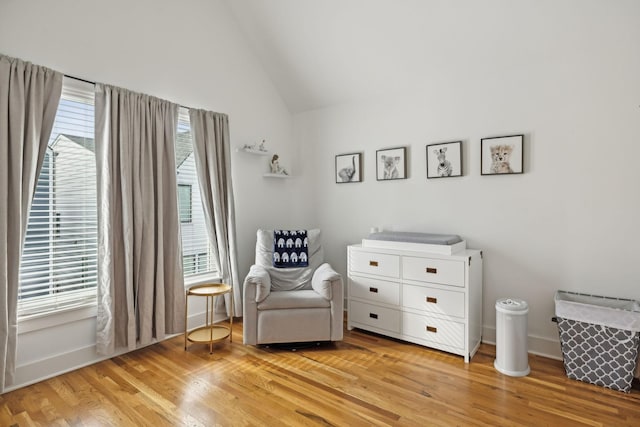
(262, 147)
(275, 166)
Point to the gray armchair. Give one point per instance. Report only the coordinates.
(291, 305)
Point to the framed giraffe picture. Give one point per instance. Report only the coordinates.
(444, 160)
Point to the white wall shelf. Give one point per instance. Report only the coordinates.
(276, 175)
(252, 151)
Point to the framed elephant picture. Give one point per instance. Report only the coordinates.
(348, 168)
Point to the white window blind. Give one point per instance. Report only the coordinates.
(58, 269)
(197, 257)
(185, 202)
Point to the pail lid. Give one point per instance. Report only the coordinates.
(511, 305)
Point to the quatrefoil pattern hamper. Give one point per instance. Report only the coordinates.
(598, 354)
(599, 338)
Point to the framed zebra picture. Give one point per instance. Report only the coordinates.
(444, 160)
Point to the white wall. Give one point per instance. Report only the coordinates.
(569, 222)
(188, 52)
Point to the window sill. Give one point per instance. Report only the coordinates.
(49, 320)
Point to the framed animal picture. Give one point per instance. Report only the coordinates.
(391, 164)
(501, 155)
(444, 160)
(348, 168)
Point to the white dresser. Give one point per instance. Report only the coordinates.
(426, 298)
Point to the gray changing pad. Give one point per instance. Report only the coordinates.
(413, 237)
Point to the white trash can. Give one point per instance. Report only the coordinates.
(512, 351)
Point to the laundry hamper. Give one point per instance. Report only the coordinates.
(599, 337)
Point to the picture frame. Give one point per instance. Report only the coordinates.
(349, 168)
(391, 163)
(502, 155)
(444, 160)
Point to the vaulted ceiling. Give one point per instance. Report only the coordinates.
(325, 52)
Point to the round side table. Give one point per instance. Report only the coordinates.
(210, 332)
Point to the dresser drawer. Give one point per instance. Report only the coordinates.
(434, 330)
(374, 263)
(377, 291)
(432, 270)
(433, 300)
(371, 315)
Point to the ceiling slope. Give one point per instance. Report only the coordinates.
(325, 52)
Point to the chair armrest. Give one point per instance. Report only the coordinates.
(324, 279)
(257, 283)
(328, 284)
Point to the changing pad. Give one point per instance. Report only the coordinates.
(404, 240)
(408, 236)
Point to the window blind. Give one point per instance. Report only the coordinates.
(58, 269)
(197, 255)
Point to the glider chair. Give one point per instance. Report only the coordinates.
(290, 294)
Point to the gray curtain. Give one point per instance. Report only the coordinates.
(29, 96)
(213, 165)
(140, 281)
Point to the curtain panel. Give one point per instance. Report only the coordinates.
(29, 97)
(213, 165)
(140, 280)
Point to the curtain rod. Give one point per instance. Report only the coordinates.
(94, 83)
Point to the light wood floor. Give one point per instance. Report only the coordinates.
(364, 380)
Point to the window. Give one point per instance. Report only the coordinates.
(58, 269)
(197, 256)
(184, 202)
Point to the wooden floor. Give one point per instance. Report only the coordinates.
(364, 380)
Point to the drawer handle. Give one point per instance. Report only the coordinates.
(374, 290)
(432, 329)
(432, 270)
(432, 300)
(373, 315)
(373, 263)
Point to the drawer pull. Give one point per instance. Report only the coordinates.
(432, 270)
(373, 315)
(432, 300)
(373, 263)
(374, 290)
(432, 329)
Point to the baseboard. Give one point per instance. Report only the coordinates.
(537, 345)
(54, 365)
(49, 367)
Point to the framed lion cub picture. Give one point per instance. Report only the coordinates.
(501, 155)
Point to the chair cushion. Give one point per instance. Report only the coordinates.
(286, 279)
(293, 299)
